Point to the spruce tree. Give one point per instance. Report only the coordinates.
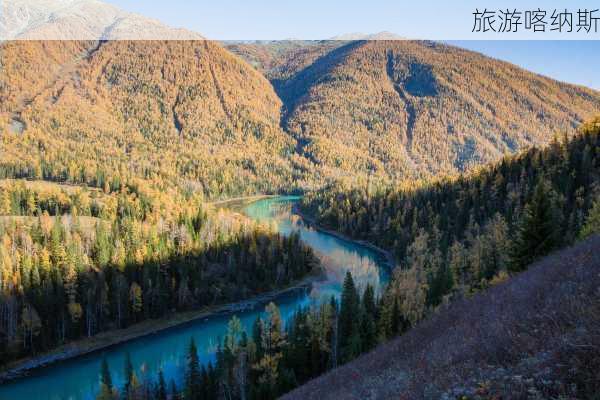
(192, 375)
(349, 313)
(536, 236)
(162, 387)
(368, 327)
(369, 301)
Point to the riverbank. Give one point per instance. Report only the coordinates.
(242, 199)
(105, 340)
(390, 261)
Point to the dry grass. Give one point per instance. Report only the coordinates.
(534, 336)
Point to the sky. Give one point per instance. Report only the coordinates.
(571, 61)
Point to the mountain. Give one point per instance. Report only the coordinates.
(368, 36)
(533, 335)
(185, 113)
(80, 20)
(406, 109)
(192, 114)
(279, 60)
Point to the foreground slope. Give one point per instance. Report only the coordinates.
(536, 334)
(405, 109)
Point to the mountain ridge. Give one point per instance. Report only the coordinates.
(362, 80)
(315, 111)
(81, 20)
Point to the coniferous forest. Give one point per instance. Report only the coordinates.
(76, 262)
(467, 234)
(463, 233)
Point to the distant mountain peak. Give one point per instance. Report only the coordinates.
(384, 35)
(80, 20)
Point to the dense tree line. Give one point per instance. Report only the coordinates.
(459, 235)
(25, 198)
(274, 357)
(118, 260)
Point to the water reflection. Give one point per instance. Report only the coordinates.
(337, 255)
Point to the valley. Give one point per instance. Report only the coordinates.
(159, 348)
(357, 217)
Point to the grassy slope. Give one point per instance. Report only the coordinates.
(536, 333)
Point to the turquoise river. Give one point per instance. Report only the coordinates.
(78, 378)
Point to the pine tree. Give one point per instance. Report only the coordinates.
(348, 325)
(369, 301)
(193, 376)
(537, 231)
(273, 341)
(273, 338)
(369, 316)
(162, 387)
(257, 334)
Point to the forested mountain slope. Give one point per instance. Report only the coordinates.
(170, 112)
(535, 335)
(110, 149)
(406, 109)
(191, 112)
(482, 314)
(279, 60)
(403, 109)
(75, 261)
(459, 234)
